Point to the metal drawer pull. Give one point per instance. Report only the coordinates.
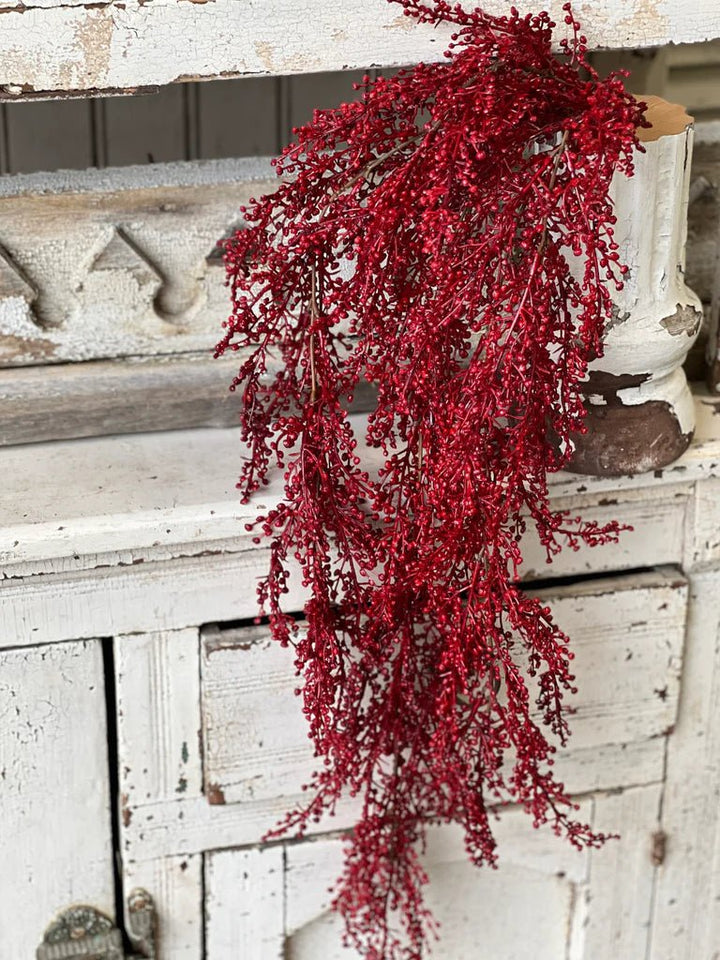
(83, 933)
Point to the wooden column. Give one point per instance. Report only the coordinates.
(640, 411)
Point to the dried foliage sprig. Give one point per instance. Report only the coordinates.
(448, 238)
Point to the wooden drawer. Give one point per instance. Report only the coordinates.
(627, 635)
(222, 753)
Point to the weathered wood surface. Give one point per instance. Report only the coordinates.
(104, 397)
(58, 46)
(55, 832)
(245, 904)
(152, 523)
(113, 264)
(177, 889)
(275, 902)
(101, 397)
(114, 501)
(184, 792)
(627, 635)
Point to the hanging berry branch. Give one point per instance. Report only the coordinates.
(449, 239)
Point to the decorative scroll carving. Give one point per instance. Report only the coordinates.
(114, 263)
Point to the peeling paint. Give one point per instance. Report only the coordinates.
(215, 794)
(658, 848)
(686, 319)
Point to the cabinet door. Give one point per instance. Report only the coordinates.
(545, 901)
(222, 753)
(55, 831)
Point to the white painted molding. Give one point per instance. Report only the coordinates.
(56, 45)
(152, 494)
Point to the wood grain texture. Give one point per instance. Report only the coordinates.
(626, 633)
(55, 827)
(158, 686)
(60, 46)
(106, 397)
(102, 397)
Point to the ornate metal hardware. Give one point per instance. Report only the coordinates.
(83, 933)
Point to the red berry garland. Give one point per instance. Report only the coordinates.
(449, 239)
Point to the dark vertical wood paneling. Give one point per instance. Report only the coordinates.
(146, 129)
(4, 163)
(238, 118)
(315, 91)
(52, 135)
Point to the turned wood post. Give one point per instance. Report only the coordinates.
(640, 410)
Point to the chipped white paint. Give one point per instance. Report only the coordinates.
(55, 831)
(151, 497)
(627, 634)
(56, 46)
(656, 317)
(244, 905)
(255, 743)
(619, 920)
(179, 698)
(127, 526)
(161, 671)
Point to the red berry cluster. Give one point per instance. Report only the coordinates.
(447, 238)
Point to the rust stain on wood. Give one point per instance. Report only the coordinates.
(658, 848)
(215, 795)
(16, 93)
(126, 812)
(628, 439)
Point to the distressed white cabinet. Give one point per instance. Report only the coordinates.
(206, 745)
(55, 830)
(222, 751)
(149, 735)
